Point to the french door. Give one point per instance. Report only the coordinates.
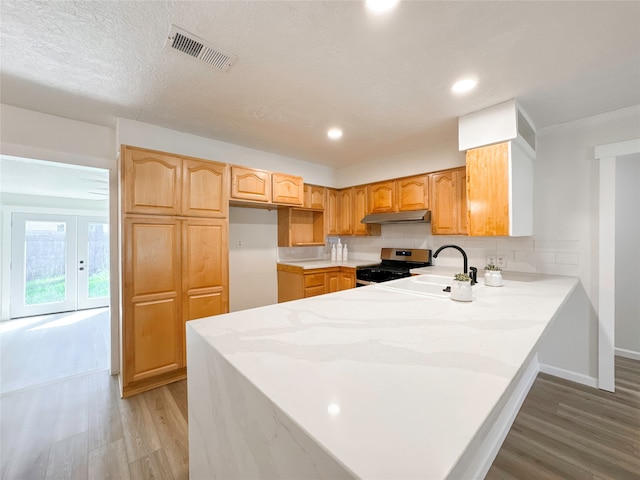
(59, 263)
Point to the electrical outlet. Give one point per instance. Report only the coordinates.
(239, 243)
(500, 262)
(491, 260)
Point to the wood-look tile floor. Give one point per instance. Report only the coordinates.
(79, 428)
(565, 430)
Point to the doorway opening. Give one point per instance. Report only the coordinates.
(56, 270)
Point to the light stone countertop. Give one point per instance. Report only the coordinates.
(310, 264)
(389, 382)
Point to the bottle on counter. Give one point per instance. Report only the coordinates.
(345, 253)
(339, 251)
(333, 252)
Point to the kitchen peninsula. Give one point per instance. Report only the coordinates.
(373, 382)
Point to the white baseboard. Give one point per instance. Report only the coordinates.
(477, 460)
(569, 375)
(622, 352)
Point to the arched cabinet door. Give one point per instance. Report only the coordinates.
(449, 204)
(205, 187)
(152, 182)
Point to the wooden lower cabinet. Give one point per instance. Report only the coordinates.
(295, 283)
(174, 270)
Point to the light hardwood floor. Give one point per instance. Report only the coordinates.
(80, 428)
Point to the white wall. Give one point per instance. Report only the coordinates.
(627, 303)
(29, 134)
(440, 152)
(130, 132)
(253, 242)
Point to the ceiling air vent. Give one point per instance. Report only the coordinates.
(198, 48)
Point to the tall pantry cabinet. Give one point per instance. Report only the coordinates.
(175, 259)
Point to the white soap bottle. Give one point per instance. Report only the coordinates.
(339, 251)
(333, 252)
(345, 253)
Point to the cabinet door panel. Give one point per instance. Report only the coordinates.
(316, 197)
(152, 256)
(347, 280)
(250, 184)
(488, 173)
(152, 182)
(204, 253)
(205, 189)
(382, 197)
(345, 211)
(444, 220)
(333, 282)
(152, 334)
(287, 189)
(448, 203)
(359, 198)
(155, 341)
(205, 268)
(413, 193)
(331, 212)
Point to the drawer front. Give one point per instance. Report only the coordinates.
(314, 280)
(313, 291)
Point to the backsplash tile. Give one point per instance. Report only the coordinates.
(522, 254)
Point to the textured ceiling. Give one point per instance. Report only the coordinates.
(304, 66)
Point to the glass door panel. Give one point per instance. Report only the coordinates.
(59, 263)
(43, 279)
(93, 262)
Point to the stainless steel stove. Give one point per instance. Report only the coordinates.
(395, 263)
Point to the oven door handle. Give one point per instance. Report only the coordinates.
(364, 282)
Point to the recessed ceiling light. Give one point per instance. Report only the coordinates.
(334, 133)
(463, 86)
(381, 6)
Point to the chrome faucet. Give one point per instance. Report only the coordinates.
(473, 271)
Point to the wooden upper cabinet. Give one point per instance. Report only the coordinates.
(413, 193)
(163, 184)
(152, 182)
(488, 169)
(205, 187)
(331, 212)
(345, 211)
(287, 189)
(250, 184)
(500, 189)
(314, 196)
(359, 202)
(382, 197)
(448, 208)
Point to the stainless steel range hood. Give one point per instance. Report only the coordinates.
(416, 216)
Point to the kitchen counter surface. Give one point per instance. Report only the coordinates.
(310, 264)
(372, 382)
